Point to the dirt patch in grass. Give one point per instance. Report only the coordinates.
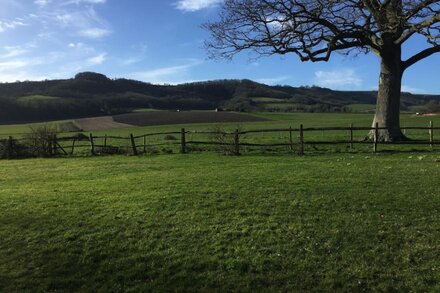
(99, 123)
(164, 118)
(426, 115)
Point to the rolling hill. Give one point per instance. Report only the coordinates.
(93, 94)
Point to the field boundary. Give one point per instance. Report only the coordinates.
(230, 142)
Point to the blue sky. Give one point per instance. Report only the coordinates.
(162, 42)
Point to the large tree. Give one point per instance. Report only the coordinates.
(315, 29)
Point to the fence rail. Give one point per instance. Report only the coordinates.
(100, 144)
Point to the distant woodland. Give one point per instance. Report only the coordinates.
(93, 94)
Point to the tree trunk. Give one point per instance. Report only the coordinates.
(388, 98)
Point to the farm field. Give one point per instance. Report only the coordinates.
(269, 120)
(359, 108)
(170, 118)
(18, 130)
(203, 222)
(280, 121)
(170, 143)
(137, 119)
(99, 123)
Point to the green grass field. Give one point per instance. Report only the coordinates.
(276, 121)
(18, 130)
(143, 110)
(206, 222)
(267, 100)
(284, 121)
(37, 98)
(361, 108)
(281, 106)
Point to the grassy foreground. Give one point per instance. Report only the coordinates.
(218, 223)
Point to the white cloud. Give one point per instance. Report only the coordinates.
(42, 3)
(168, 74)
(13, 51)
(196, 5)
(273, 80)
(13, 65)
(6, 25)
(64, 18)
(340, 78)
(97, 60)
(131, 61)
(94, 33)
(65, 63)
(413, 90)
(84, 1)
(20, 76)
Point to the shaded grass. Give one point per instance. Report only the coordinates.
(267, 100)
(18, 130)
(218, 223)
(37, 98)
(143, 110)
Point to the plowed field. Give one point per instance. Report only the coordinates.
(165, 118)
(99, 123)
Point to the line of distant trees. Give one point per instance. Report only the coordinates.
(93, 94)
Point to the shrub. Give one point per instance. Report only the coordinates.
(225, 141)
(170, 137)
(13, 149)
(41, 140)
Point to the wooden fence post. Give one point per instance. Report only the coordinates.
(105, 141)
(291, 139)
(237, 142)
(133, 145)
(145, 143)
(431, 133)
(73, 145)
(301, 140)
(57, 146)
(376, 136)
(92, 145)
(351, 136)
(183, 142)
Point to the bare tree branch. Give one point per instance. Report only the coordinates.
(314, 30)
(418, 27)
(420, 56)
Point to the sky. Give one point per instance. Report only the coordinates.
(162, 42)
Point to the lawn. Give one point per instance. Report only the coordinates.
(206, 222)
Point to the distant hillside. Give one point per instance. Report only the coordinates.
(93, 94)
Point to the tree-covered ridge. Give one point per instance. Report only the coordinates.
(92, 94)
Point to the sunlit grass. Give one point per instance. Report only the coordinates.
(209, 222)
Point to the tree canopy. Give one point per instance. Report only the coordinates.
(314, 30)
